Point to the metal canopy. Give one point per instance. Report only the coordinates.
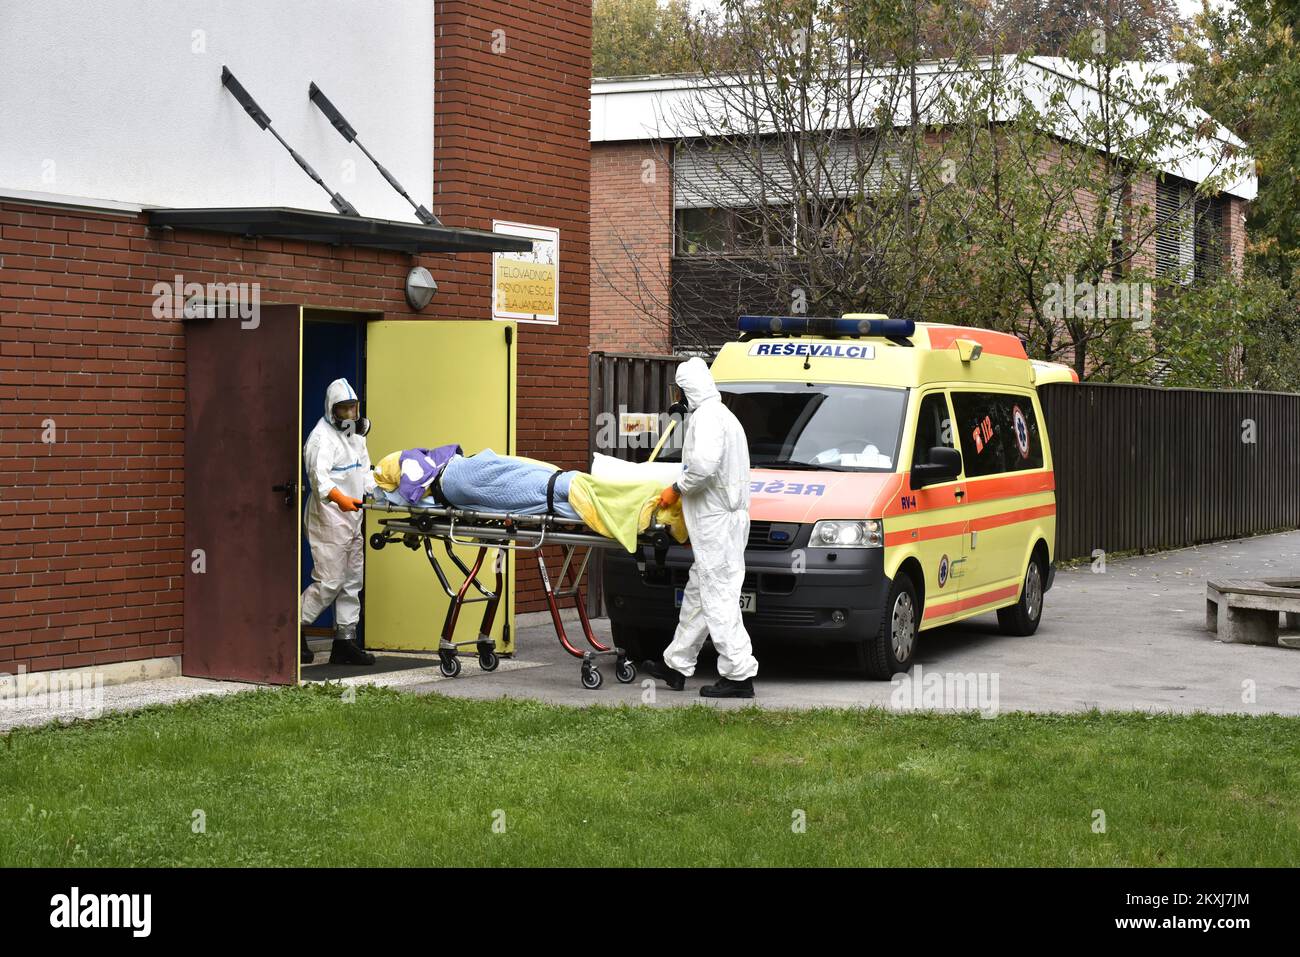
(320, 227)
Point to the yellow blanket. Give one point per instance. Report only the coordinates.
(621, 508)
(616, 508)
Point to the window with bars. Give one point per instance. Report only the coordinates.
(1190, 232)
(1118, 201)
(1208, 237)
(717, 189)
(713, 230)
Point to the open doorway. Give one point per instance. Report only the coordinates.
(423, 383)
(333, 347)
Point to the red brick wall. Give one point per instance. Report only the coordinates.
(631, 248)
(1234, 232)
(91, 527)
(512, 120)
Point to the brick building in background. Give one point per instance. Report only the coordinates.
(481, 109)
(652, 199)
(631, 235)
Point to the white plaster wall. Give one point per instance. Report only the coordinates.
(120, 101)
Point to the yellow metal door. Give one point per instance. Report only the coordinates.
(430, 383)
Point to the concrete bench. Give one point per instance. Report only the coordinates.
(1246, 610)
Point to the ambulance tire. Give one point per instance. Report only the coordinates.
(877, 658)
(1022, 618)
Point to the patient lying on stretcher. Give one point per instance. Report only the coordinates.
(617, 506)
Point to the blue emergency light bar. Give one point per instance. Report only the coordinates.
(826, 326)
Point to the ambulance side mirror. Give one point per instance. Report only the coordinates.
(943, 465)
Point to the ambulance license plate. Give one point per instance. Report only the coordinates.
(748, 600)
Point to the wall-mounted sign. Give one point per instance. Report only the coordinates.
(526, 286)
(637, 423)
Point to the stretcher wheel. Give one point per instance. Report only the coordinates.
(449, 665)
(625, 672)
(488, 661)
(377, 541)
(591, 678)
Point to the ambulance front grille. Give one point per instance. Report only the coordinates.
(762, 537)
(785, 616)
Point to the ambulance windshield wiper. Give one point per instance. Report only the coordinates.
(803, 466)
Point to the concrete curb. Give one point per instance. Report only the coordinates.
(115, 673)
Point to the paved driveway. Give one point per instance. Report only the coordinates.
(1132, 637)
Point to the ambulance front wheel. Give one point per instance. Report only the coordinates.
(1022, 618)
(891, 649)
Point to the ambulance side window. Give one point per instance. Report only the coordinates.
(999, 432)
(932, 427)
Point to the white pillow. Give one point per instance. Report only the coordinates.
(607, 466)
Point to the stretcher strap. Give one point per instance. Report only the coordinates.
(550, 493)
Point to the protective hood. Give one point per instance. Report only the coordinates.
(696, 382)
(340, 390)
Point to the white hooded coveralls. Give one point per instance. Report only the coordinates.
(715, 503)
(335, 459)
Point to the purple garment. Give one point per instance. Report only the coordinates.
(419, 467)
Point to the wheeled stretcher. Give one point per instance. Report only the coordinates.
(418, 527)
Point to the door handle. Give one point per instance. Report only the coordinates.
(288, 488)
(959, 492)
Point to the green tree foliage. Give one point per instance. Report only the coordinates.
(1241, 332)
(1048, 202)
(873, 158)
(1049, 27)
(1247, 73)
(640, 37)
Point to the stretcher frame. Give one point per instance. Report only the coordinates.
(417, 526)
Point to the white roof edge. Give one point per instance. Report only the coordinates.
(68, 202)
(645, 90)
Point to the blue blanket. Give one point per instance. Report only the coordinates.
(487, 482)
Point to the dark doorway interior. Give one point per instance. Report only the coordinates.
(333, 346)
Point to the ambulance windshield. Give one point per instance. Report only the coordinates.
(802, 425)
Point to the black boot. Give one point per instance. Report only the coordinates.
(346, 652)
(305, 654)
(726, 688)
(670, 676)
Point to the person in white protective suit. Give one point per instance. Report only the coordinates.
(338, 467)
(714, 492)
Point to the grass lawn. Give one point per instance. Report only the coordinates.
(299, 776)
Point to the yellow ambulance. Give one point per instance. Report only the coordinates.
(901, 479)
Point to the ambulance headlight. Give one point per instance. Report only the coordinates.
(845, 534)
